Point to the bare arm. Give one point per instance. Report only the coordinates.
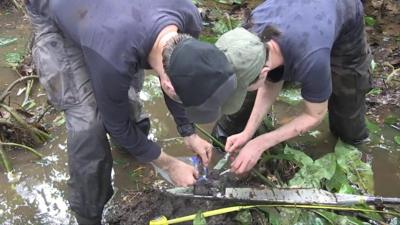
(251, 152)
(312, 115)
(266, 96)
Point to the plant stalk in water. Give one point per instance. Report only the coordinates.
(24, 147)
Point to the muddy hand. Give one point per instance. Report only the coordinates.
(247, 158)
(200, 147)
(182, 174)
(236, 141)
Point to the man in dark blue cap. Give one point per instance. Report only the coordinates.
(90, 57)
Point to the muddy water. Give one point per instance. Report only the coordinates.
(37, 194)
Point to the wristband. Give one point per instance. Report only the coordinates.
(186, 129)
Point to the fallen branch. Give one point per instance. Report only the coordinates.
(38, 135)
(6, 163)
(393, 73)
(7, 91)
(22, 146)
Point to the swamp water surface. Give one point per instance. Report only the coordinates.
(38, 193)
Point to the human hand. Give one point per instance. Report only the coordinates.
(200, 147)
(181, 174)
(247, 158)
(236, 141)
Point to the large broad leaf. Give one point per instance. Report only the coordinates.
(311, 175)
(339, 183)
(244, 217)
(336, 219)
(199, 219)
(299, 157)
(357, 172)
(290, 96)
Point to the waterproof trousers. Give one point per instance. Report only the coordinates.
(63, 74)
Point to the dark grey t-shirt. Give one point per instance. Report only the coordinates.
(116, 38)
(309, 29)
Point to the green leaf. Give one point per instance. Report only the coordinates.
(209, 39)
(369, 21)
(13, 58)
(299, 157)
(307, 217)
(220, 27)
(358, 172)
(244, 217)
(397, 139)
(5, 41)
(59, 120)
(375, 92)
(290, 96)
(391, 119)
(311, 175)
(197, 2)
(372, 127)
(339, 183)
(199, 219)
(336, 219)
(230, 2)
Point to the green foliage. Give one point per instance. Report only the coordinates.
(197, 2)
(244, 217)
(299, 157)
(391, 119)
(357, 172)
(369, 21)
(199, 219)
(290, 96)
(151, 89)
(375, 92)
(335, 219)
(230, 2)
(339, 183)
(7, 40)
(311, 174)
(225, 24)
(209, 39)
(13, 58)
(338, 172)
(372, 127)
(397, 139)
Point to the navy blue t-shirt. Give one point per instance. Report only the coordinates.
(309, 29)
(116, 38)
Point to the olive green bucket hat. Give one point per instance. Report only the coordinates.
(246, 53)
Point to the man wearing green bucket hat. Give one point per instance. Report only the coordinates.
(319, 44)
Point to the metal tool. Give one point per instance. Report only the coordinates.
(224, 172)
(285, 196)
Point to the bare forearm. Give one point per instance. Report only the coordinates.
(164, 161)
(290, 130)
(265, 98)
(310, 118)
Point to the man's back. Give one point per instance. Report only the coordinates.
(308, 31)
(122, 32)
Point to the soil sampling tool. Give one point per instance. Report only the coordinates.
(282, 196)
